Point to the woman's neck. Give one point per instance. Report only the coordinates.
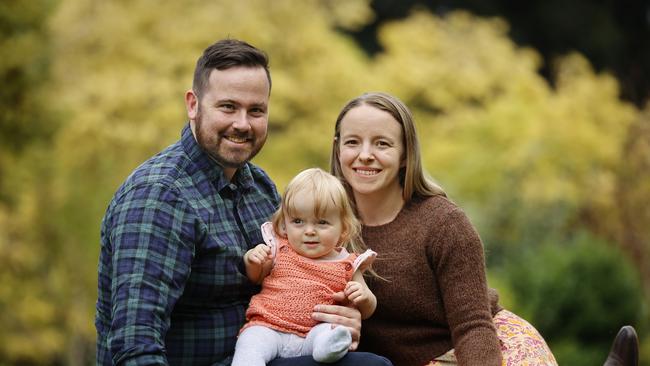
(375, 210)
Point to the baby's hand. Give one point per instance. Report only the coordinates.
(356, 293)
(258, 255)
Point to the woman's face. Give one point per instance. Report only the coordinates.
(371, 151)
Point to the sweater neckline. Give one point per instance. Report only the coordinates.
(397, 219)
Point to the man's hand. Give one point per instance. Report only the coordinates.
(346, 315)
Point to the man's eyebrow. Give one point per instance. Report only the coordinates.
(232, 101)
(221, 101)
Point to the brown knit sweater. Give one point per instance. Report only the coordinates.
(437, 297)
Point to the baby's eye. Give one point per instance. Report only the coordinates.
(296, 221)
(323, 222)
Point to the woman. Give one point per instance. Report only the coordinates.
(435, 307)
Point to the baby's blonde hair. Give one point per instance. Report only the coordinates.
(327, 191)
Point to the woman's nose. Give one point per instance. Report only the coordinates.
(366, 154)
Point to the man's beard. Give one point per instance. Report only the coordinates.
(225, 159)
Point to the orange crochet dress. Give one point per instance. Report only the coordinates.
(295, 285)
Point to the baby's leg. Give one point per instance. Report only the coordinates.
(328, 345)
(256, 346)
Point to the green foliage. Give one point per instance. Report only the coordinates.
(25, 118)
(633, 193)
(578, 294)
(571, 352)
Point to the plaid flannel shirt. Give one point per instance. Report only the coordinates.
(172, 288)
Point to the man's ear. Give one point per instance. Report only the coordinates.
(191, 104)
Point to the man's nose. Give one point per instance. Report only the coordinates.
(241, 122)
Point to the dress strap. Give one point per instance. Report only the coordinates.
(270, 238)
(364, 260)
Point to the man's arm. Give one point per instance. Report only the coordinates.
(152, 252)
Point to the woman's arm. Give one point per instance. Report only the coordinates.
(460, 271)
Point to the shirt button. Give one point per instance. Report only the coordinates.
(348, 266)
(284, 249)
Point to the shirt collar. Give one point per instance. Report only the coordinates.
(243, 177)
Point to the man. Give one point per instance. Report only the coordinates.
(172, 289)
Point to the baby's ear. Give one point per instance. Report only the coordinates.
(345, 236)
(282, 230)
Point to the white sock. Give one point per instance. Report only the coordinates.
(330, 345)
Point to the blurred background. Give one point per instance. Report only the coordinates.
(534, 117)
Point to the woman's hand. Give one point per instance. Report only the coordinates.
(346, 315)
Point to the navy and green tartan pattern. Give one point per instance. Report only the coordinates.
(172, 289)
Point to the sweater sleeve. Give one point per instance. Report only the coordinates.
(460, 271)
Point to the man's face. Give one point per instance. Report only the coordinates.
(230, 120)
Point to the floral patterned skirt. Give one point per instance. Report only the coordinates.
(521, 344)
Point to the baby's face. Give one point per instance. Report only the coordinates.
(311, 236)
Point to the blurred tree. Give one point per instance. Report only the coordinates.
(633, 193)
(24, 69)
(617, 40)
(578, 294)
(30, 308)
